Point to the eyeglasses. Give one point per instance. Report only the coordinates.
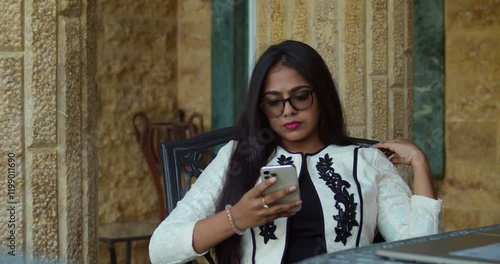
(299, 101)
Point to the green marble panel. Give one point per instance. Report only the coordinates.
(428, 66)
(228, 60)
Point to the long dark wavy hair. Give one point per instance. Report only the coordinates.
(256, 141)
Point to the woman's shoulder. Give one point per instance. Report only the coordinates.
(362, 152)
(349, 148)
(227, 148)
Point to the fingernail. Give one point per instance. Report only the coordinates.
(272, 179)
(292, 188)
(299, 202)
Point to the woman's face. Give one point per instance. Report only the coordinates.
(297, 128)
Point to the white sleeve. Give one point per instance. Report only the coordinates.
(172, 241)
(402, 215)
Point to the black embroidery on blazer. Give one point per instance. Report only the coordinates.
(344, 201)
(254, 248)
(267, 230)
(355, 176)
(282, 160)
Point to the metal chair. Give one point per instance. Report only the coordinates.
(150, 137)
(184, 160)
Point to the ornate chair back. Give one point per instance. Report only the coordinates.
(184, 161)
(150, 134)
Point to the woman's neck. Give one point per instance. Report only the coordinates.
(303, 146)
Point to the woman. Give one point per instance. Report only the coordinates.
(293, 116)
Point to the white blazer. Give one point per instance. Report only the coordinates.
(370, 195)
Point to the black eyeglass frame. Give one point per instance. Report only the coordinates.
(310, 92)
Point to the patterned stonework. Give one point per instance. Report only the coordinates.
(396, 45)
(379, 113)
(325, 32)
(353, 66)
(46, 65)
(12, 154)
(11, 85)
(299, 21)
(376, 62)
(42, 89)
(277, 20)
(11, 36)
(43, 205)
(377, 37)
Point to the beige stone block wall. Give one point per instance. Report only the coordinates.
(137, 71)
(154, 57)
(368, 48)
(194, 62)
(47, 128)
(471, 186)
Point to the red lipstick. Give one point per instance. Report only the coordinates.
(293, 125)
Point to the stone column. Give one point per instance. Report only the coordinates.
(368, 47)
(48, 188)
(472, 98)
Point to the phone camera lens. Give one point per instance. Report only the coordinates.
(266, 172)
(273, 174)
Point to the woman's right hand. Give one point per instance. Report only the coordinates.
(251, 211)
(248, 212)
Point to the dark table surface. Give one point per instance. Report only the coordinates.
(367, 254)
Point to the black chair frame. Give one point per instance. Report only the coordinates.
(186, 156)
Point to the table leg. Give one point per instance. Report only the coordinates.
(129, 253)
(112, 253)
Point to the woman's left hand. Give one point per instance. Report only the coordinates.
(406, 152)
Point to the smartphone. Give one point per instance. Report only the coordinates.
(286, 176)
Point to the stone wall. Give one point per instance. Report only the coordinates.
(471, 187)
(47, 128)
(137, 71)
(193, 53)
(154, 57)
